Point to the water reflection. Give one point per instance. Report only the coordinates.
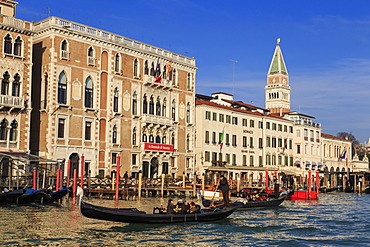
(335, 220)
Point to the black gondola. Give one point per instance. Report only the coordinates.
(56, 195)
(132, 215)
(249, 204)
(32, 195)
(11, 196)
(327, 190)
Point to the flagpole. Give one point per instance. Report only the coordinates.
(234, 64)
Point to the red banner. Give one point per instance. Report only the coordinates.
(158, 147)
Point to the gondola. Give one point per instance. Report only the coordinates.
(249, 204)
(327, 190)
(32, 195)
(132, 215)
(56, 195)
(11, 196)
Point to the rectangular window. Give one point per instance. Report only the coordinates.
(214, 137)
(214, 116)
(234, 141)
(280, 142)
(251, 142)
(227, 139)
(285, 128)
(234, 159)
(251, 160)
(260, 143)
(206, 156)
(298, 132)
(214, 157)
(207, 137)
(114, 158)
(228, 119)
(88, 131)
(273, 142)
(268, 125)
(290, 129)
(260, 124)
(298, 149)
(208, 115)
(251, 124)
(260, 164)
(244, 160)
(245, 141)
(268, 141)
(133, 159)
(273, 126)
(245, 122)
(280, 127)
(221, 118)
(61, 126)
(235, 121)
(268, 159)
(228, 158)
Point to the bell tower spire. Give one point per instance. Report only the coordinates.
(277, 89)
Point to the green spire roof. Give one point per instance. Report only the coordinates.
(278, 64)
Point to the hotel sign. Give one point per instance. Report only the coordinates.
(158, 147)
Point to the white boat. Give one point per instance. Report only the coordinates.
(208, 194)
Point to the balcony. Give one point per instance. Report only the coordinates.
(11, 101)
(307, 123)
(64, 55)
(153, 119)
(91, 61)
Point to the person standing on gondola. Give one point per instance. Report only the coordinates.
(224, 187)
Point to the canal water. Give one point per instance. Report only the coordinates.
(337, 219)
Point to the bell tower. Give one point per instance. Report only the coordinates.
(277, 90)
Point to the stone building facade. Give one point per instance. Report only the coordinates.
(15, 73)
(99, 96)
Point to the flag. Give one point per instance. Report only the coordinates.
(157, 73)
(222, 139)
(168, 68)
(342, 155)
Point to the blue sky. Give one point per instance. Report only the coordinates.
(326, 46)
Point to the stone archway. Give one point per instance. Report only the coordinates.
(154, 167)
(75, 161)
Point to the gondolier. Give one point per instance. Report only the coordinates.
(224, 187)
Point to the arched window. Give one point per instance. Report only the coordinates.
(173, 77)
(164, 108)
(157, 139)
(188, 113)
(164, 140)
(114, 135)
(145, 105)
(18, 46)
(151, 138)
(164, 75)
(173, 110)
(158, 107)
(62, 88)
(3, 130)
(8, 44)
(13, 131)
(151, 105)
(146, 68)
(16, 85)
(173, 139)
(134, 136)
(64, 45)
(152, 69)
(5, 83)
(64, 50)
(90, 52)
(136, 68)
(115, 100)
(189, 81)
(88, 93)
(134, 104)
(117, 63)
(187, 142)
(145, 138)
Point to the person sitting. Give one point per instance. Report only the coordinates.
(170, 207)
(180, 207)
(194, 208)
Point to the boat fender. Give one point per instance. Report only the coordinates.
(215, 210)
